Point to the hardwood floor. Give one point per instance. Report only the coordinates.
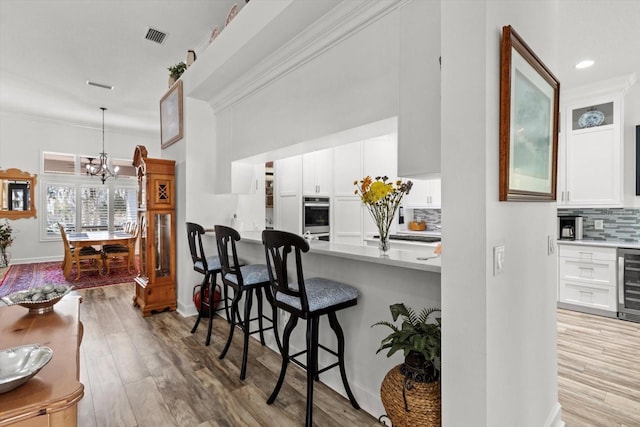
(153, 372)
(598, 370)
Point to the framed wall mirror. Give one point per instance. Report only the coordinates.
(17, 194)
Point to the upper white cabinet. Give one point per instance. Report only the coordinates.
(245, 178)
(590, 166)
(380, 157)
(288, 197)
(347, 164)
(425, 194)
(317, 173)
(346, 223)
(419, 91)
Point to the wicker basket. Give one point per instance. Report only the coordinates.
(422, 400)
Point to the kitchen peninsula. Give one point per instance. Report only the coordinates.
(380, 282)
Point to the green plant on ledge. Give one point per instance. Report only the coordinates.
(417, 337)
(176, 71)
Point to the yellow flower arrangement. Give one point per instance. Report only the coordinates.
(382, 199)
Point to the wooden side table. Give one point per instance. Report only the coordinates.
(51, 397)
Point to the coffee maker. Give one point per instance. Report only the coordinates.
(570, 227)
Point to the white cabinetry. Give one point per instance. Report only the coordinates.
(317, 169)
(590, 167)
(379, 158)
(346, 223)
(288, 197)
(419, 91)
(587, 279)
(425, 194)
(246, 178)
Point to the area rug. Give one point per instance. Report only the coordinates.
(26, 276)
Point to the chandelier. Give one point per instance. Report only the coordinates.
(104, 170)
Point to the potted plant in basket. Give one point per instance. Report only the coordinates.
(5, 241)
(410, 392)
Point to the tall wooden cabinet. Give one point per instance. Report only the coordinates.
(156, 282)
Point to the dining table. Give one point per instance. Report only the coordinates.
(96, 238)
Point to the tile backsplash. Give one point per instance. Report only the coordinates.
(619, 224)
(430, 216)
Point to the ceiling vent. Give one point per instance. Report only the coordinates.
(156, 36)
(102, 85)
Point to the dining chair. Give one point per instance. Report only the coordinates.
(245, 280)
(125, 252)
(308, 299)
(84, 258)
(209, 266)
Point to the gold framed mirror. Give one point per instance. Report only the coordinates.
(17, 194)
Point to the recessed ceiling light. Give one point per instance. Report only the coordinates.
(584, 64)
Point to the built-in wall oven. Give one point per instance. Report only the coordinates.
(315, 217)
(629, 284)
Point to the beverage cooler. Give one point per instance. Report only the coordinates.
(629, 284)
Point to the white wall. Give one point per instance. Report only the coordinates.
(24, 138)
(353, 83)
(499, 333)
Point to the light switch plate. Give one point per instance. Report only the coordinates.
(498, 260)
(598, 224)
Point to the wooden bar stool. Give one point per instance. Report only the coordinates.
(307, 299)
(210, 267)
(245, 280)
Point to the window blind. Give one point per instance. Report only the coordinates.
(61, 208)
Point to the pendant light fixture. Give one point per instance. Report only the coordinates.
(103, 170)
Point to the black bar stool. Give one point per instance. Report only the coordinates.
(210, 267)
(307, 299)
(245, 280)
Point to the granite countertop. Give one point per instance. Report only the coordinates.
(602, 243)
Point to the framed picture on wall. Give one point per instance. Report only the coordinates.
(171, 115)
(529, 104)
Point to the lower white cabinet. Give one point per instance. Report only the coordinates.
(587, 279)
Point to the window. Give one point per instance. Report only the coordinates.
(125, 202)
(94, 215)
(83, 203)
(60, 202)
(58, 163)
(70, 164)
(88, 206)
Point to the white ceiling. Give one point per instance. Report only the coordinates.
(49, 49)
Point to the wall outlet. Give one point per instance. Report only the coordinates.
(598, 224)
(498, 260)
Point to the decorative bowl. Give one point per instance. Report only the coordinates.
(19, 364)
(591, 118)
(38, 300)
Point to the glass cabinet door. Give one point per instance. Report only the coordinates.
(162, 237)
(142, 248)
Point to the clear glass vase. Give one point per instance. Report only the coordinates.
(384, 246)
